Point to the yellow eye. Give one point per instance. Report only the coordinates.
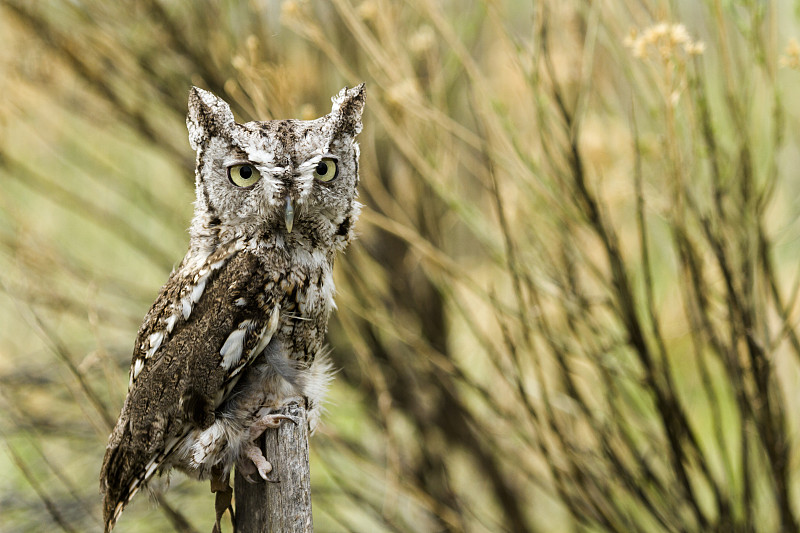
(243, 175)
(326, 169)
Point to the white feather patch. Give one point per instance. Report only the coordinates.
(197, 261)
(137, 368)
(204, 443)
(200, 286)
(231, 350)
(328, 290)
(264, 336)
(267, 332)
(198, 289)
(171, 323)
(186, 305)
(155, 343)
(316, 386)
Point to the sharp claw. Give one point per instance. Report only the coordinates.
(269, 421)
(278, 417)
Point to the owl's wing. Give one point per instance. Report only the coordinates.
(207, 324)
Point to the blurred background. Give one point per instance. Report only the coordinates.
(573, 302)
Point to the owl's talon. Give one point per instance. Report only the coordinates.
(261, 464)
(272, 420)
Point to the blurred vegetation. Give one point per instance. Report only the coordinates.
(572, 306)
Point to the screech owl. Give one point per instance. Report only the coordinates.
(237, 331)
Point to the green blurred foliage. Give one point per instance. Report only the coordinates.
(572, 304)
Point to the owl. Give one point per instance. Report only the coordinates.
(237, 331)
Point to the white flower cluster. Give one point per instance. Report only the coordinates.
(665, 39)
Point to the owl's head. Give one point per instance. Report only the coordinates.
(292, 181)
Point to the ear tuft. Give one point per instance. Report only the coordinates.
(347, 108)
(209, 116)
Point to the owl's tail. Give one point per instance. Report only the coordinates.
(125, 470)
(119, 481)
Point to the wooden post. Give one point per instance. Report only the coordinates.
(285, 506)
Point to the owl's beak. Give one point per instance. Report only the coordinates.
(288, 215)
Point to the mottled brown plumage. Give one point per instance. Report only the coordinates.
(237, 330)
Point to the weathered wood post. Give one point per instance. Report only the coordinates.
(285, 506)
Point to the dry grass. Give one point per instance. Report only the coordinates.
(572, 306)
